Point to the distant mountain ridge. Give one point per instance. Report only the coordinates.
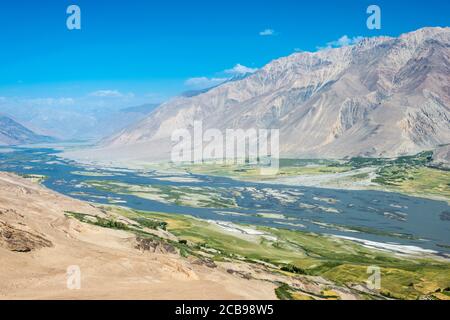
(13, 133)
(144, 109)
(381, 97)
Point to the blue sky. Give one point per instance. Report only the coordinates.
(137, 51)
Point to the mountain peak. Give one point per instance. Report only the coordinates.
(383, 96)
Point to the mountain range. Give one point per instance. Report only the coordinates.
(14, 133)
(382, 97)
(78, 121)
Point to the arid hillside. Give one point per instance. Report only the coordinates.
(38, 243)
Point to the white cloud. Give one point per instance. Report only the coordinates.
(267, 32)
(107, 94)
(204, 82)
(239, 69)
(342, 42)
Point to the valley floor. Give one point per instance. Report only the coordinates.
(410, 175)
(129, 254)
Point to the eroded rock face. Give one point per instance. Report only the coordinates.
(205, 262)
(18, 240)
(154, 246)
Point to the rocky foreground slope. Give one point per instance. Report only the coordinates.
(381, 97)
(38, 242)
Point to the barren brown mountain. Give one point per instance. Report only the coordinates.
(381, 97)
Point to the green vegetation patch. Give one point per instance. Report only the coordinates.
(297, 252)
(287, 168)
(151, 223)
(98, 221)
(196, 197)
(283, 292)
(292, 252)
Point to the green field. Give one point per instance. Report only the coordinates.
(293, 252)
(415, 180)
(288, 167)
(411, 175)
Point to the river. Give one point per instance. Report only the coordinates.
(381, 217)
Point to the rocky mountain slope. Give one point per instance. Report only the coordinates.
(381, 97)
(441, 157)
(13, 133)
